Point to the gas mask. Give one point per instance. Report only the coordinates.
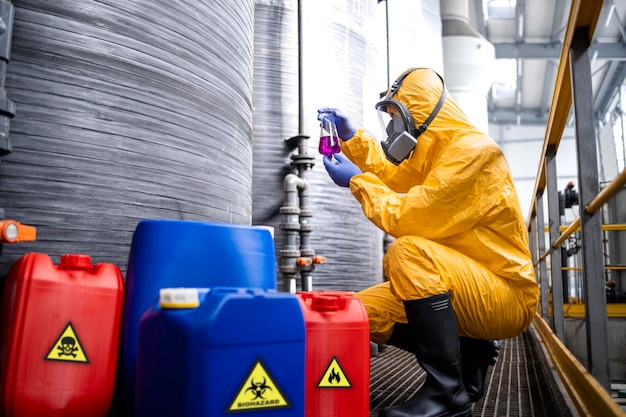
(397, 122)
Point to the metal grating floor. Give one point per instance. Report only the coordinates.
(517, 385)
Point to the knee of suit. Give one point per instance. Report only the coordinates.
(412, 265)
(383, 311)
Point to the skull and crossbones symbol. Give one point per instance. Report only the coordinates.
(67, 347)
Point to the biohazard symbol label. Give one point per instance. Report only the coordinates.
(67, 347)
(334, 377)
(258, 392)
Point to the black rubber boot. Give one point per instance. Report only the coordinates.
(476, 356)
(435, 339)
(401, 337)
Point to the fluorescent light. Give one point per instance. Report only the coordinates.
(609, 15)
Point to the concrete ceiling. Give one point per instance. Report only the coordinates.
(530, 32)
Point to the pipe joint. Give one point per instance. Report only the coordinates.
(292, 183)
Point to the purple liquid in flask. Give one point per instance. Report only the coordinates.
(329, 139)
(329, 145)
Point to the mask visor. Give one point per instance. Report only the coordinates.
(391, 122)
(398, 143)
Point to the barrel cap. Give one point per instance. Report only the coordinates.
(322, 302)
(75, 261)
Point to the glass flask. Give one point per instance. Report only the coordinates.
(329, 139)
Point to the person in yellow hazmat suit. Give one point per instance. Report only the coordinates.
(459, 272)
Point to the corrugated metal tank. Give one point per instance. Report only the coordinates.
(126, 111)
(337, 59)
(275, 108)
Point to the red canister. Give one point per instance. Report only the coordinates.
(59, 335)
(337, 375)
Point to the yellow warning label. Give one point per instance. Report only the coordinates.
(258, 392)
(67, 347)
(334, 377)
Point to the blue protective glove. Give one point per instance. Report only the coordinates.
(345, 130)
(342, 170)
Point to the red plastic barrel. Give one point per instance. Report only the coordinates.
(337, 375)
(59, 335)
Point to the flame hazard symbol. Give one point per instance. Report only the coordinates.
(334, 377)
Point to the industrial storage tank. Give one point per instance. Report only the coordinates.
(275, 108)
(126, 111)
(337, 58)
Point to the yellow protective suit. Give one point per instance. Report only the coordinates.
(456, 217)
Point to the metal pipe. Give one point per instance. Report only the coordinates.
(306, 227)
(295, 220)
(300, 65)
(303, 162)
(290, 224)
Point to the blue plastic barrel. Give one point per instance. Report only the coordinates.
(179, 253)
(213, 352)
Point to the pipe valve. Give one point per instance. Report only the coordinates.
(13, 232)
(304, 261)
(318, 259)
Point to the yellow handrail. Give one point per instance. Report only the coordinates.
(596, 204)
(616, 227)
(588, 396)
(606, 268)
